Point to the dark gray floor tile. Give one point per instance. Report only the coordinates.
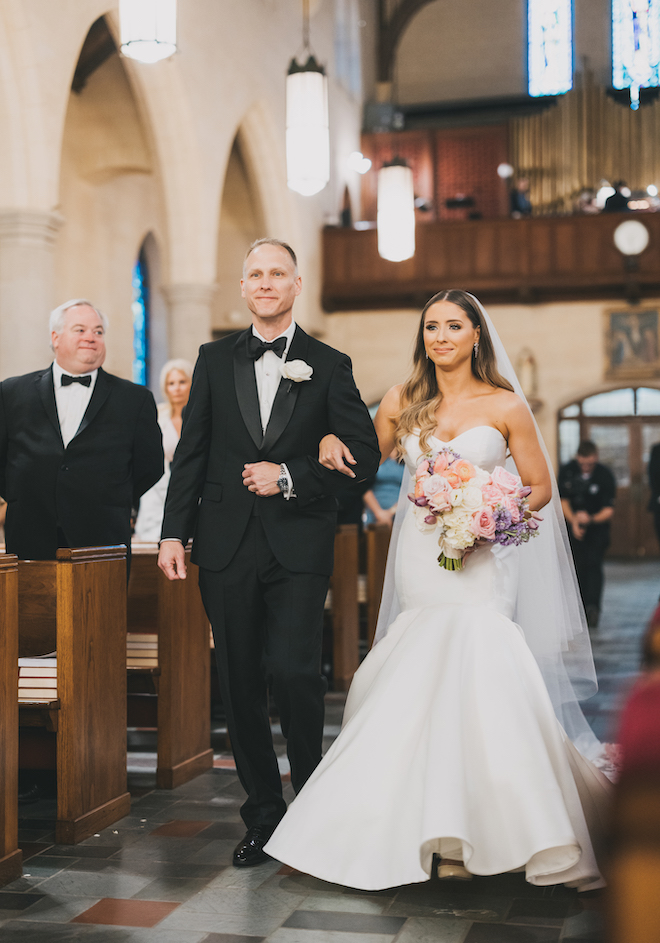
(82, 851)
(160, 848)
(17, 901)
(345, 922)
(22, 931)
(543, 909)
(505, 933)
(147, 868)
(229, 830)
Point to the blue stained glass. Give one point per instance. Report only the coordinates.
(635, 46)
(550, 46)
(140, 310)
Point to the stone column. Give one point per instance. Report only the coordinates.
(27, 238)
(190, 318)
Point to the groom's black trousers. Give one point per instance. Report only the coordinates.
(268, 627)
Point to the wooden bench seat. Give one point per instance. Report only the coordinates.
(76, 606)
(168, 656)
(11, 858)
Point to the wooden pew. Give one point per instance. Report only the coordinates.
(172, 612)
(11, 858)
(378, 542)
(344, 607)
(76, 605)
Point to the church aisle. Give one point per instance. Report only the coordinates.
(163, 874)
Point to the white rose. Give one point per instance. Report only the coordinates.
(456, 497)
(433, 485)
(472, 498)
(296, 370)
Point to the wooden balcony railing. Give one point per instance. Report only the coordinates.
(564, 258)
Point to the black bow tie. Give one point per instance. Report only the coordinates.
(68, 380)
(257, 348)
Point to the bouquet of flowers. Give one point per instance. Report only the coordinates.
(467, 503)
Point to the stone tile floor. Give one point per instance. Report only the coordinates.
(163, 874)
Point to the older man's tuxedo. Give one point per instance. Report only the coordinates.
(81, 494)
(265, 561)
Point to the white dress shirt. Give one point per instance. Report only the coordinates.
(268, 371)
(71, 401)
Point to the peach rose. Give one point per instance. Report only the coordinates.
(483, 524)
(441, 463)
(453, 479)
(464, 469)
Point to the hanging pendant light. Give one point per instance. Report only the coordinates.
(307, 133)
(148, 29)
(396, 211)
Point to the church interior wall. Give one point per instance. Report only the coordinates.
(456, 50)
(566, 341)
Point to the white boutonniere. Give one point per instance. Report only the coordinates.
(296, 370)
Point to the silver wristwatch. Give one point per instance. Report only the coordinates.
(283, 480)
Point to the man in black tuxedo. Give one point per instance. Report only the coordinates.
(247, 483)
(78, 446)
(654, 485)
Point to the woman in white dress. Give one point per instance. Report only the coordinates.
(175, 380)
(451, 744)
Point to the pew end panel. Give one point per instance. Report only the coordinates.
(174, 611)
(11, 858)
(345, 610)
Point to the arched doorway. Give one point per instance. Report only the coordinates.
(624, 424)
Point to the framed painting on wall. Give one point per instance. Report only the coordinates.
(631, 344)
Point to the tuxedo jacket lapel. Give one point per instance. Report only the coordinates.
(286, 396)
(47, 394)
(245, 383)
(99, 396)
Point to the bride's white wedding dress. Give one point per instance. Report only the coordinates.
(449, 743)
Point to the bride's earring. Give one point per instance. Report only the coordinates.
(427, 355)
(476, 348)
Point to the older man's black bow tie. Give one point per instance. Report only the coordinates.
(257, 348)
(68, 380)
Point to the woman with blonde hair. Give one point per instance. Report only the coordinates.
(462, 740)
(175, 380)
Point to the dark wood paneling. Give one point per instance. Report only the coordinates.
(10, 855)
(505, 260)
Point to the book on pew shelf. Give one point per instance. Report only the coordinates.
(142, 637)
(142, 653)
(141, 662)
(39, 672)
(37, 682)
(37, 694)
(142, 647)
(48, 661)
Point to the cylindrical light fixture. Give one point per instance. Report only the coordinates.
(396, 211)
(307, 133)
(148, 29)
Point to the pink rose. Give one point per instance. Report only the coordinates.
(492, 494)
(483, 524)
(512, 507)
(505, 480)
(423, 467)
(441, 501)
(441, 463)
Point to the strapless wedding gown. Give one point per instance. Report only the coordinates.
(449, 743)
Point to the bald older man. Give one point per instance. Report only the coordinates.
(78, 446)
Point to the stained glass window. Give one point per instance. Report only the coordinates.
(550, 46)
(140, 310)
(635, 46)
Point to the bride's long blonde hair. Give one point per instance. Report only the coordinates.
(420, 395)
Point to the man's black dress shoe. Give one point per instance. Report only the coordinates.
(250, 850)
(29, 793)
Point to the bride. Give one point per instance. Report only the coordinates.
(462, 734)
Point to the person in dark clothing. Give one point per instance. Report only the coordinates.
(519, 199)
(587, 491)
(654, 484)
(618, 202)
